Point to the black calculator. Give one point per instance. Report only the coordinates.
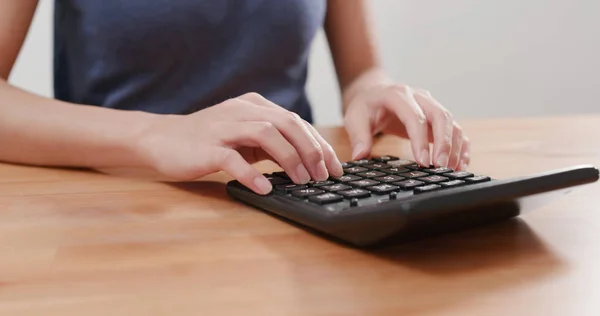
(386, 198)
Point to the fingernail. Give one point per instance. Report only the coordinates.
(425, 159)
(463, 166)
(302, 174)
(337, 171)
(357, 151)
(322, 173)
(443, 160)
(263, 185)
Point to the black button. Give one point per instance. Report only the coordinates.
(439, 170)
(395, 170)
(281, 174)
(371, 174)
(459, 175)
(320, 183)
(355, 193)
(427, 188)
(336, 187)
(346, 165)
(409, 184)
(414, 174)
(355, 170)
(290, 187)
(386, 158)
(377, 166)
(361, 162)
(453, 183)
(363, 183)
(354, 202)
(433, 179)
(419, 167)
(306, 192)
(477, 179)
(383, 188)
(275, 180)
(393, 195)
(347, 178)
(326, 198)
(389, 178)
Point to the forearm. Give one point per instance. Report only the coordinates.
(353, 47)
(42, 131)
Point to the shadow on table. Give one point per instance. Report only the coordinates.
(502, 244)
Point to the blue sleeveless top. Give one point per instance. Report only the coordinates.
(180, 56)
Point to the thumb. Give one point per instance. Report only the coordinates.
(358, 127)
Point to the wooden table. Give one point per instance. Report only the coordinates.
(75, 242)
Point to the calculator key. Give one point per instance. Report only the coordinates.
(347, 178)
(346, 165)
(326, 198)
(419, 167)
(414, 174)
(453, 183)
(459, 174)
(355, 193)
(477, 179)
(281, 174)
(427, 188)
(317, 184)
(377, 166)
(355, 169)
(439, 170)
(363, 183)
(383, 188)
(290, 187)
(386, 158)
(433, 179)
(371, 174)
(361, 162)
(277, 180)
(409, 184)
(336, 187)
(389, 178)
(395, 170)
(400, 163)
(306, 192)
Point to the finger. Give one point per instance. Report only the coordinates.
(234, 164)
(442, 126)
(266, 136)
(457, 138)
(465, 154)
(358, 127)
(331, 160)
(400, 101)
(292, 127)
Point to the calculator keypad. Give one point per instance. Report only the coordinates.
(368, 181)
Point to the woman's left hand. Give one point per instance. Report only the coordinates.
(373, 104)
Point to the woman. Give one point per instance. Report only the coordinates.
(191, 87)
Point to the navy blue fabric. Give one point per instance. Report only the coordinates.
(180, 56)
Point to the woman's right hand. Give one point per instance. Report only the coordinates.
(231, 136)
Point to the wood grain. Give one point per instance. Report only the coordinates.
(76, 242)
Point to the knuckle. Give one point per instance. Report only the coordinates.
(398, 89)
(264, 130)
(252, 96)
(315, 154)
(292, 119)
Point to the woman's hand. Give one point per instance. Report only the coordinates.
(231, 136)
(373, 103)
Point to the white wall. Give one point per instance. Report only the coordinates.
(479, 58)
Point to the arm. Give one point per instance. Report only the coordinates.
(43, 131)
(226, 137)
(373, 103)
(351, 42)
